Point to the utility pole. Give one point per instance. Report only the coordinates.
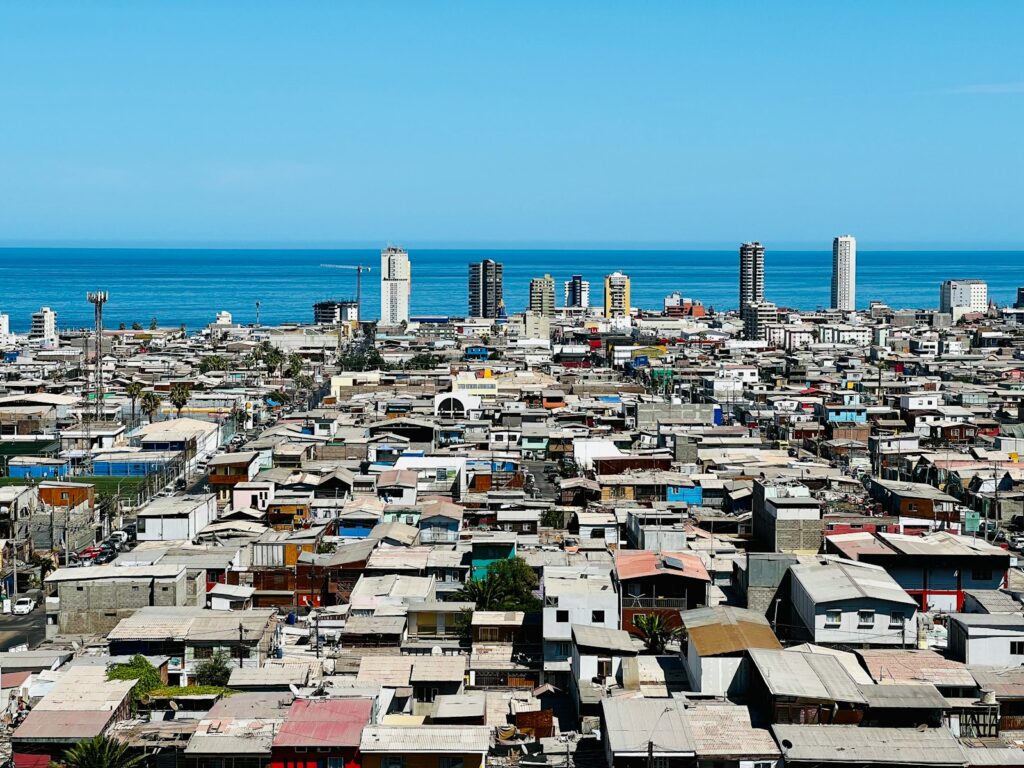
(650, 754)
(316, 625)
(241, 638)
(98, 299)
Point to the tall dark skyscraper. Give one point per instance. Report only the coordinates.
(751, 274)
(485, 289)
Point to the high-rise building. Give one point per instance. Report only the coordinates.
(577, 292)
(844, 273)
(486, 298)
(757, 316)
(957, 297)
(1019, 303)
(335, 312)
(395, 286)
(751, 274)
(616, 295)
(44, 327)
(542, 296)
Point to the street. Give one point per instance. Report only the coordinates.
(30, 629)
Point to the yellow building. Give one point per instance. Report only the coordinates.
(616, 295)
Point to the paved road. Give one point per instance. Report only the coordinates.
(29, 629)
(545, 488)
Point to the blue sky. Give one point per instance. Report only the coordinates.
(634, 123)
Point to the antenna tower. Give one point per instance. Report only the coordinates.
(98, 299)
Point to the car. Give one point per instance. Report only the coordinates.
(24, 606)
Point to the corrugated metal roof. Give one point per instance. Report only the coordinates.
(725, 731)
(849, 744)
(430, 669)
(833, 580)
(603, 638)
(632, 723)
(635, 564)
(805, 675)
(324, 723)
(444, 739)
(889, 666)
(725, 629)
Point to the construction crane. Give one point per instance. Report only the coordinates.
(359, 268)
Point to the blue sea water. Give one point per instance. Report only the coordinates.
(189, 286)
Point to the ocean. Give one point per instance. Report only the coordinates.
(189, 286)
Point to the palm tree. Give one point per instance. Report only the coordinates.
(178, 396)
(134, 392)
(150, 404)
(487, 594)
(655, 631)
(100, 752)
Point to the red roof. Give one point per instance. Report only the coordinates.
(13, 679)
(324, 723)
(636, 564)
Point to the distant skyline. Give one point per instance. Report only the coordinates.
(572, 125)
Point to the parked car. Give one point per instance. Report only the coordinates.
(24, 606)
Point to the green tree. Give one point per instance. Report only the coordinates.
(153, 325)
(134, 391)
(139, 669)
(150, 403)
(213, 363)
(136, 326)
(120, 326)
(178, 396)
(294, 366)
(552, 518)
(655, 631)
(272, 357)
(508, 586)
(423, 361)
(100, 752)
(214, 670)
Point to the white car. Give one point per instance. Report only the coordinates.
(24, 606)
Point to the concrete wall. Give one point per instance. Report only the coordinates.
(96, 606)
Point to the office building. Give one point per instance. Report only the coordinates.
(395, 286)
(616, 295)
(757, 316)
(577, 292)
(542, 296)
(5, 327)
(335, 312)
(844, 273)
(958, 297)
(485, 289)
(44, 327)
(751, 274)
(1019, 303)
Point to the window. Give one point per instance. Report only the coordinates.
(981, 574)
(202, 652)
(865, 618)
(450, 762)
(895, 620)
(604, 667)
(141, 525)
(551, 601)
(440, 475)
(660, 762)
(833, 617)
(561, 616)
(489, 634)
(335, 762)
(392, 761)
(597, 617)
(1017, 647)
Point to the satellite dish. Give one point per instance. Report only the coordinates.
(436, 651)
(294, 689)
(173, 705)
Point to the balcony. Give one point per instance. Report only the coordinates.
(653, 602)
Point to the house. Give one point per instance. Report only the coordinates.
(891, 666)
(786, 518)
(915, 502)
(425, 746)
(227, 470)
(80, 705)
(598, 525)
(795, 687)
(597, 655)
(325, 732)
(848, 602)
(191, 635)
(230, 597)
(987, 640)
(431, 624)
(573, 596)
(440, 521)
(639, 733)
(398, 486)
(661, 582)
(434, 676)
(239, 730)
(488, 548)
(175, 518)
(716, 646)
(934, 569)
(847, 746)
(94, 600)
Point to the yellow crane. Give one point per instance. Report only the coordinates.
(359, 268)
